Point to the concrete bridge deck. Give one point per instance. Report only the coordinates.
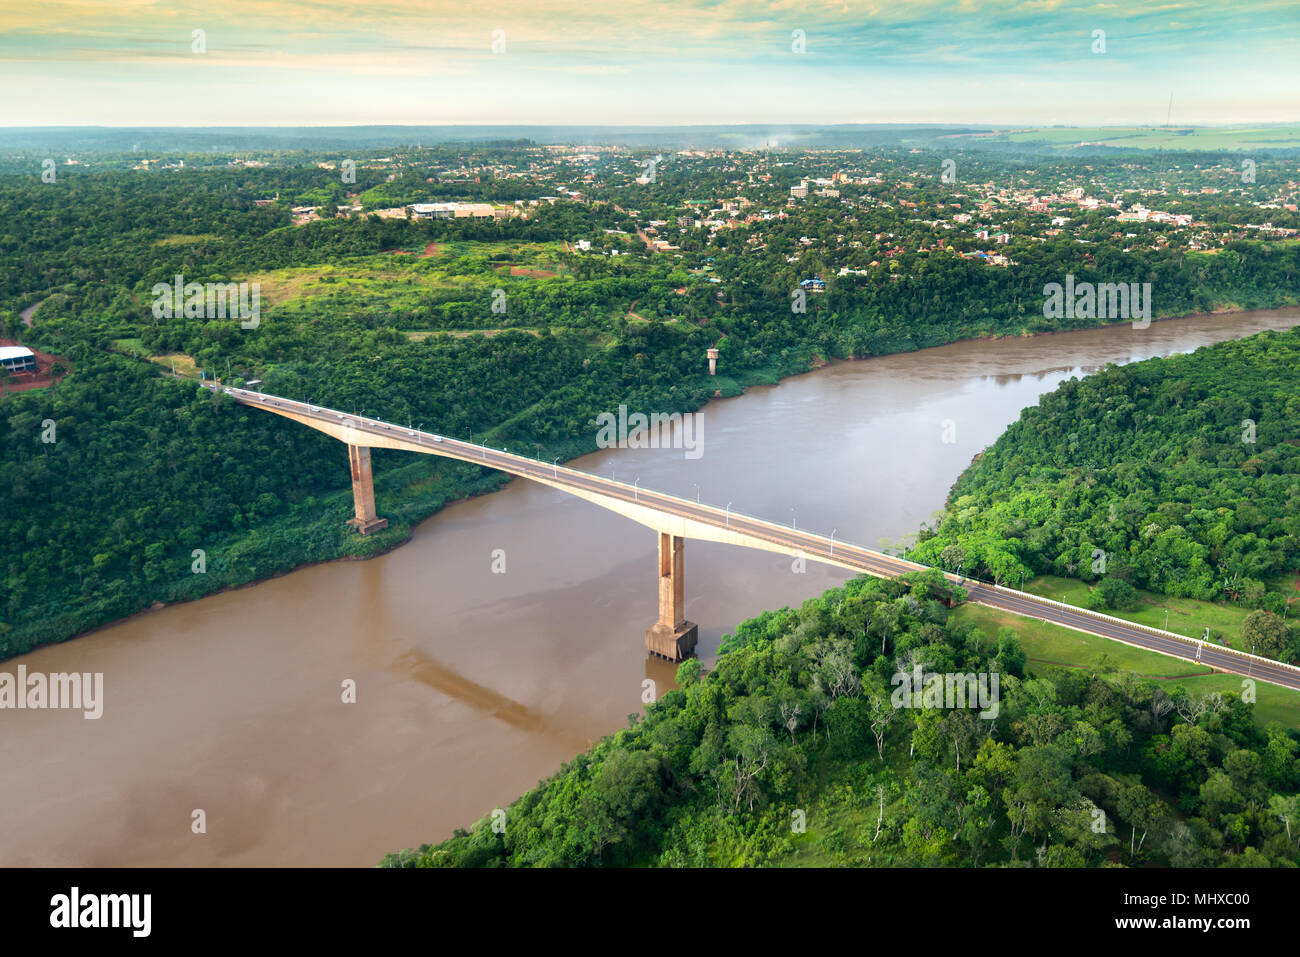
(676, 519)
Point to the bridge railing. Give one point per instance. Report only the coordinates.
(1150, 629)
(1185, 639)
(529, 466)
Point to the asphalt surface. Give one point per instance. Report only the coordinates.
(812, 546)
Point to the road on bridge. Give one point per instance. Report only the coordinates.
(810, 545)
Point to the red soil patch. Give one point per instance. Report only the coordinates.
(433, 249)
(23, 381)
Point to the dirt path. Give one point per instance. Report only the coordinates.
(632, 315)
(26, 314)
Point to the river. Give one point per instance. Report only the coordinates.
(472, 685)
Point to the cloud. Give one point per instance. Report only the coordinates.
(723, 57)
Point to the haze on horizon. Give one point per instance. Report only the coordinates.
(432, 62)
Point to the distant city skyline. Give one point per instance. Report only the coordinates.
(402, 62)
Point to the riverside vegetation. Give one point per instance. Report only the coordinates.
(361, 312)
(794, 750)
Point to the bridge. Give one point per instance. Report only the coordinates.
(676, 519)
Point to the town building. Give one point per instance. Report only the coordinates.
(17, 359)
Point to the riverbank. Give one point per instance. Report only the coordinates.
(413, 492)
(505, 635)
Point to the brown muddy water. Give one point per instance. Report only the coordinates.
(474, 685)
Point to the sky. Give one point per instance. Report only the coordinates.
(651, 62)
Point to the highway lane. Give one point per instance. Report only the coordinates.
(804, 543)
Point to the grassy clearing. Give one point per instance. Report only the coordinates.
(130, 347)
(1187, 616)
(1051, 645)
(1271, 702)
(189, 239)
(395, 272)
(282, 285)
(531, 255)
(184, 364)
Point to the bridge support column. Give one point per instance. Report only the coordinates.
(363, 492)
(672, 636)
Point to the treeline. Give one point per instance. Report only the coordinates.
(93, 246)
(100, 514)
(1179, 475)
(801, 747)
(111, 480)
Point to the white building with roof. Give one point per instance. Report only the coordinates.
(17, 359)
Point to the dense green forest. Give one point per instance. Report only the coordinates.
(101, 517)
(124, 486)
(798, 750)
(795, 750)
(1179, 475)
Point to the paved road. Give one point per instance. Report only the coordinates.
(26, 314)
(812, 545)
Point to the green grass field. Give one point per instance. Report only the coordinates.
(130, 347)
(395, 273)
(1053, 646)
(1186, 616)
(190, 240)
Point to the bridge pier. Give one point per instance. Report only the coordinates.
(672, 636)
(363, 492)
